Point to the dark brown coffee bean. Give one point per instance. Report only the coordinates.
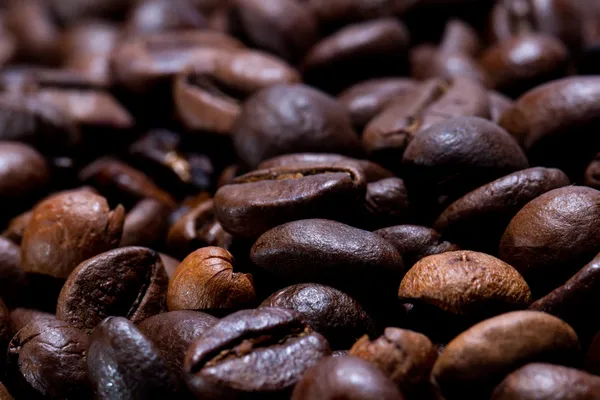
(345, 377)
(197, 228)
(357, 52)
(367, 99)
(154, 16)
(68, 11)
(24, 172)
(68, 228)
(129, 282)
(387, 203)
(404, 356)
(388, 134)
(12, 277)
(263, 199)
(542, 120)
(172, 334)
(478, 359)
(518, 64)
(16, 227)
(415, 242)
(331, 253)
(146, 224)
(125, 364)
(47, 359)
(19, 317)
(479, 218)
(287, 119)
(205, 280)
(427, 63)
(339, 12)
(548, 382)
(459, 154)
(498, 105)
(591, 362)
(592, 173)
(287, 28)
(465, 283)
(331, 312)
(253, 353)
(552, 236)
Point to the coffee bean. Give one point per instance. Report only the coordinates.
(263, 199)
(591, 362)
(16, 227)
(253, 352)
(170, 264)
(479, 358)
(592, 173)
(331, 253)
(125, 364)
(459, 37)
(154, 16)
(287, 119)
(415, 242)
(47, 358)
(24, 172)
(547, 241)
(4, 394)
(489, 208)
(345, 377)
(205, 280)
(146, 224)
(338, 12)
(13, 280)
(387, 202)
(66, 229)
(498, 105)
(428, 62)
(19, 317)
(330, 312)
(129, 282)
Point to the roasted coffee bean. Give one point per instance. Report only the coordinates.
(47, 359)
(428, 62)
(146, 224)
(415, 242)
(155, 16)
(337, 12)
(128, 282)
(387, 136)
(19, 317)
(357, 52)
(331, 312)
(488, 209)
(124, 364)
(68, 228)
(197, 228)
(387, 202)
(16, 227)
(170, 264)
(459, 37)
(264, 199)
(287, 119)
(24, 172)
(592, 173)
(253, 353)
(591, 362)
(205, 281)
(188, 204)
(548, 382)
(405, 357)
(331, 253)
(345, 377)
(544, 117)
(523, 62)
(498, 105)
(12, 277)
(552, 236)
(478, 359)
(4, 394)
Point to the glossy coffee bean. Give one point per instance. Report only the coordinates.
(406, 357)
(146, 224)
(415, 242)
(330, 312)
(548, 382)
(479, 358)
(48, 358)
(24, 172)
(120, 357)
(287, 119)
(387, 202)
(345, 377)
(552, 236)
(128, 282)
(68, 228)
(328, 252)
(489, 208)
(253, 353)
(205, 281)
(264, 199)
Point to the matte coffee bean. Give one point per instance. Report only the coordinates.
(19, 317)
(330, 312)
(488, 209)
(405, 357)
(263, 199)
(415, 242)
(328, 252)
(120, 358)
(345, 377)
(552, 236)
(548, 382)
(128, 282)
(13, 280)
(47, 358)
(68, 228)
(287, 119)
(146, 224)
(253, 353)
(205, 280)
(479, 358)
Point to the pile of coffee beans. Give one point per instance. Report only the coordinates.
(300, 199)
